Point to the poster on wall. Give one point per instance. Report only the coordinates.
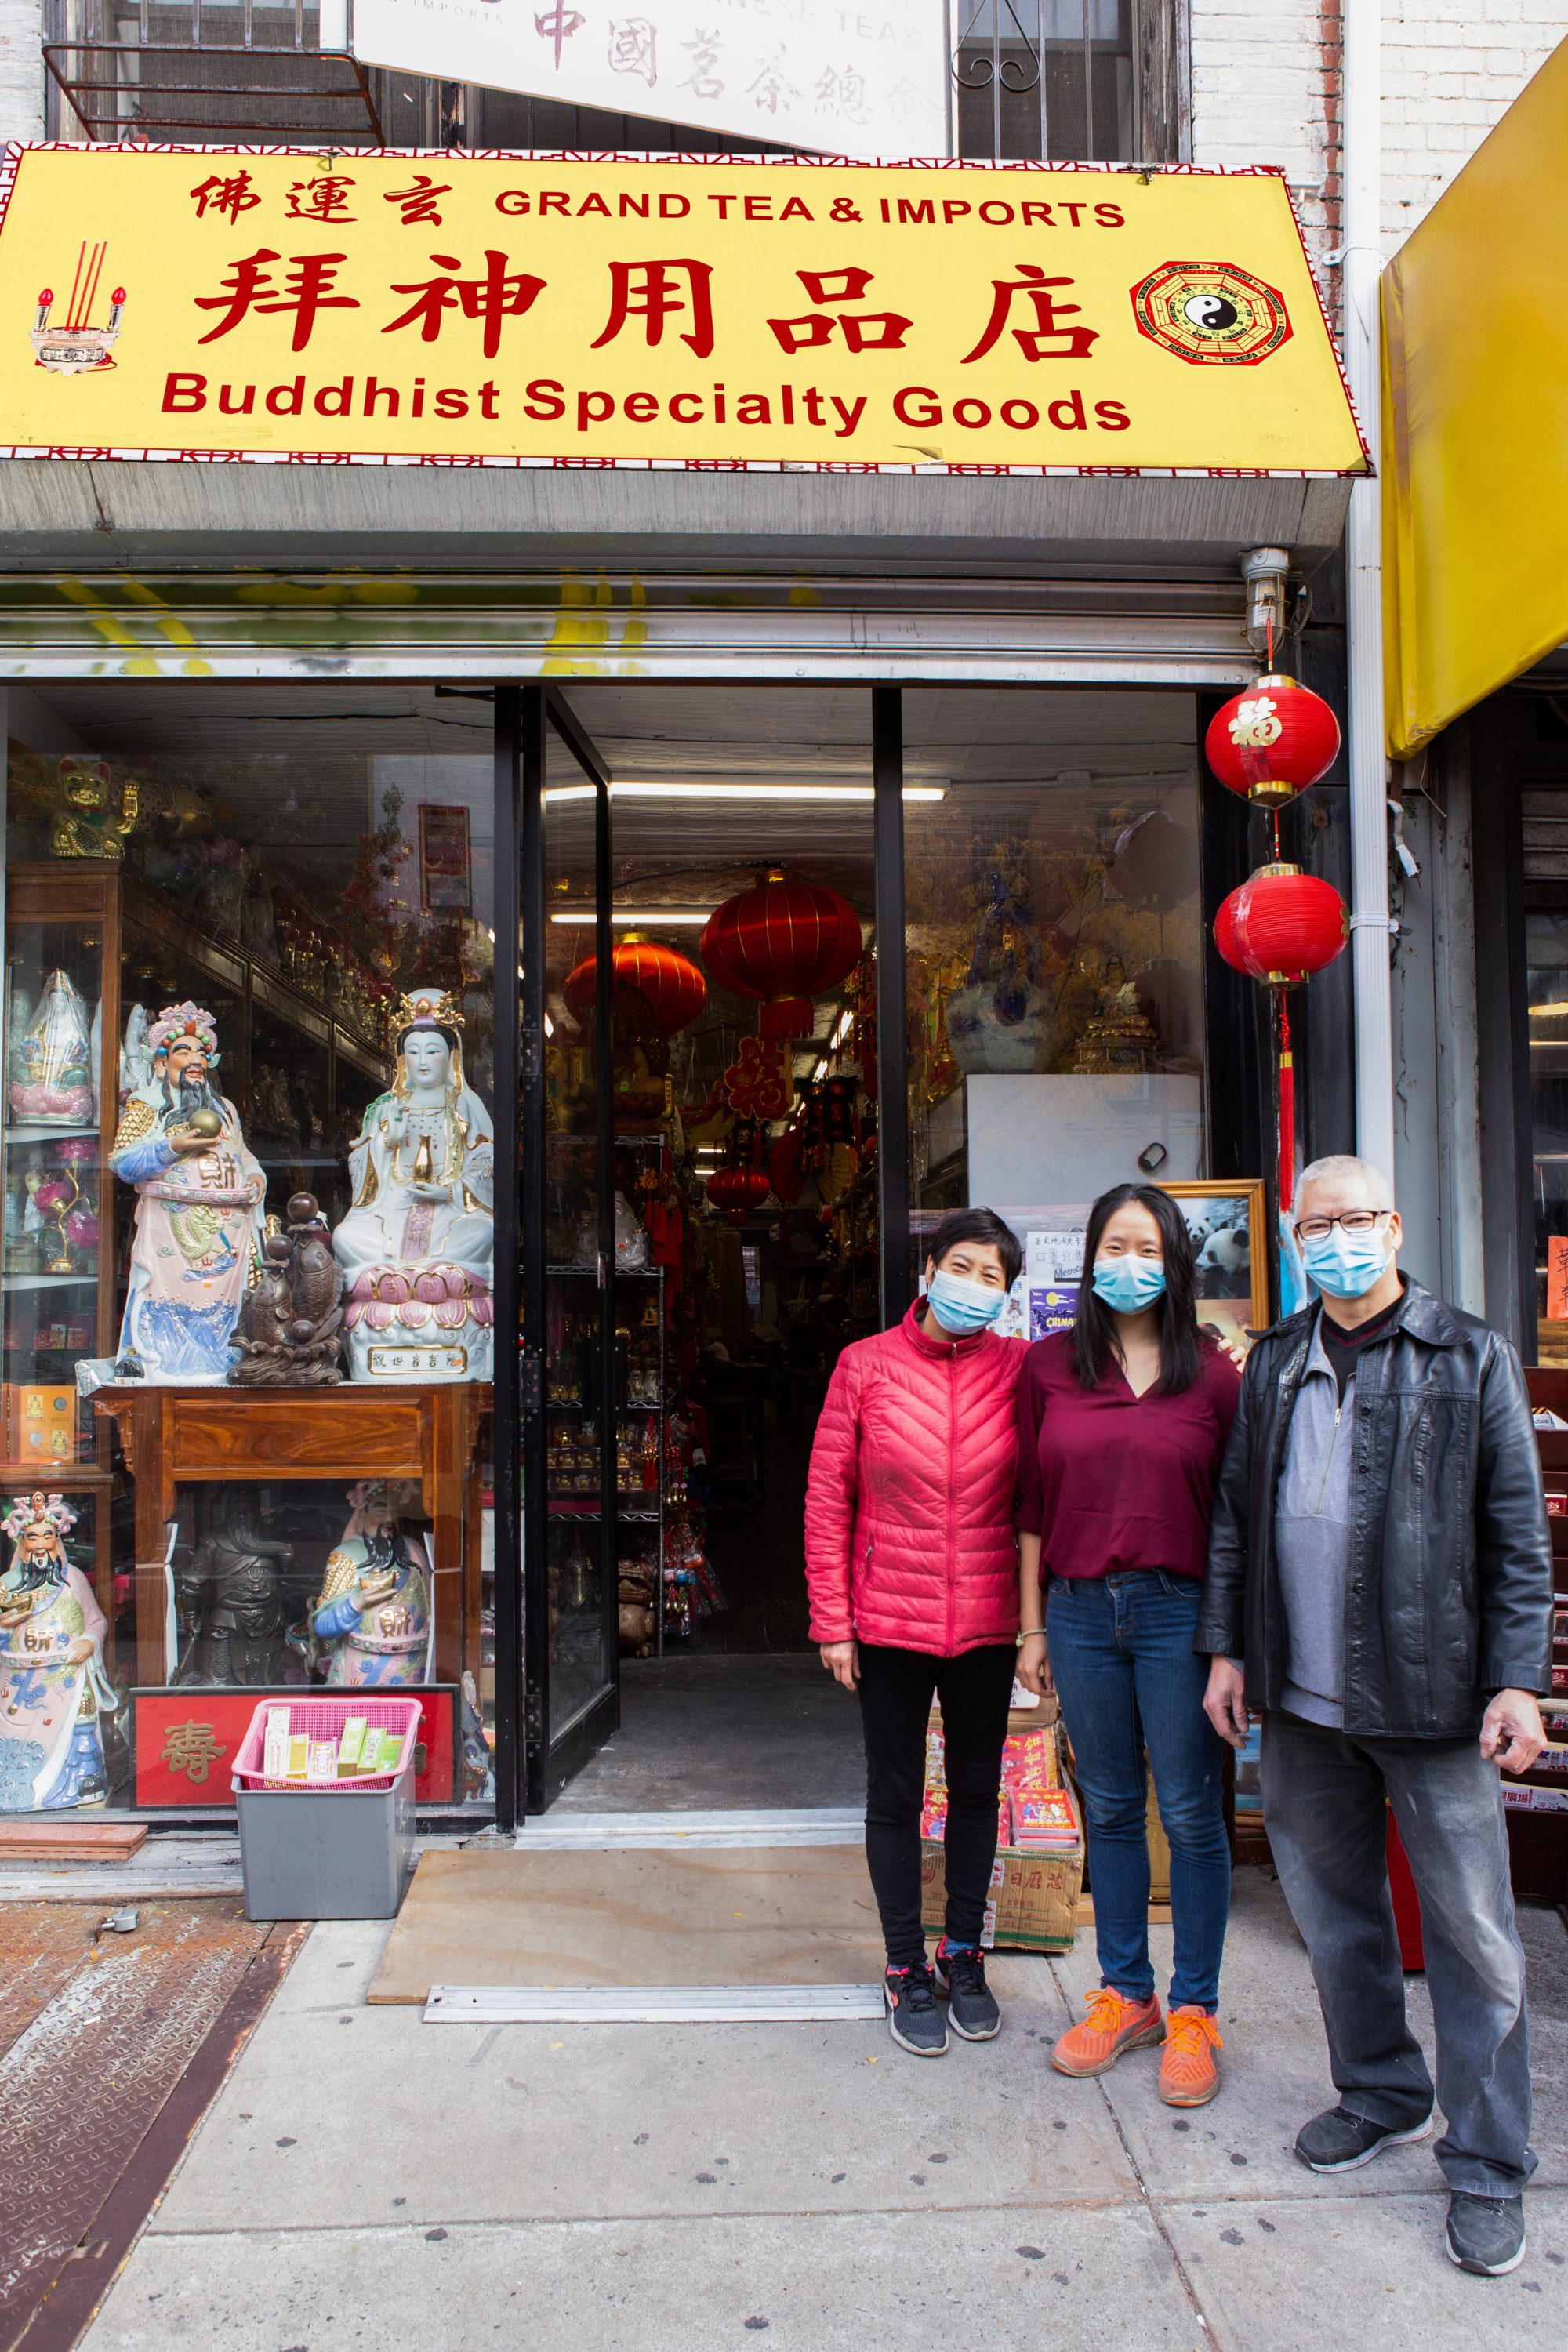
(445, 866)
(797, 73)
(1226, 1223)
(199, 305)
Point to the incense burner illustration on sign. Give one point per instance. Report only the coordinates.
(74, 346)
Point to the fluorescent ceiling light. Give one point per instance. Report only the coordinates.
(626, 915)
(846, 1023)
(820, 1071)
(777, 793)
(1548, 1011)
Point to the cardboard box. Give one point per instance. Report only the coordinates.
(1159, 1851)
(1034, 1898)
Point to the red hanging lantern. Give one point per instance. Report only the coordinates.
(784, 942)
(1272, 740)
(1281, 925)
(671, 982)
(738, 1189)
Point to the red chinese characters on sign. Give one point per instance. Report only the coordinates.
(1048, 339)
(306, 291)
(866, 331)
(324, 199)
(650, 290)
(228, 195)
(183, 1743)
(496, 296)
(418, 203)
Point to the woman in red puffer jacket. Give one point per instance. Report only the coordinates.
(912, 1563)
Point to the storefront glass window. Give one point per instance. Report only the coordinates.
(1054, 962)
(245, 1279)
(1546, 958)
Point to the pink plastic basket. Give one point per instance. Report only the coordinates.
(323, 1717)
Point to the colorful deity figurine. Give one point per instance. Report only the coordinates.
(374, 1614)
(199, 1222)
(417, 1247)
(53, 1688)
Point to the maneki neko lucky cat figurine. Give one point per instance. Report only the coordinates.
(199, 1219)
(417, 1247)
(53, 1688)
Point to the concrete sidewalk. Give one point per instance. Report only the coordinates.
(366, 2180)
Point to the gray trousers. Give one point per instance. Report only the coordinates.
(1323, 1802)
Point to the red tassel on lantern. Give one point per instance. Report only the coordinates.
(1272, 740)
(784, 942)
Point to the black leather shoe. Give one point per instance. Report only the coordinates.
(1337, 2141)
(1485, 2234)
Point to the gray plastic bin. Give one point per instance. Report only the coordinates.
(335, 1853)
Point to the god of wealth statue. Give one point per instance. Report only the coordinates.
(372, 1614)
(199, 1222)
(53, 1687)
(417, 1247)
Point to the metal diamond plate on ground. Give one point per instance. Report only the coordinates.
(83, 2081)
(42, 1945)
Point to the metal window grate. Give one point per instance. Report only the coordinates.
(1045, 79)
(206, 70)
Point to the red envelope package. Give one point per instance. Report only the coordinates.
(1045, 1821)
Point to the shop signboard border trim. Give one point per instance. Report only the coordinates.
(13, 150)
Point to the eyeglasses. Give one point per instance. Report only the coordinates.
(1352, 1221)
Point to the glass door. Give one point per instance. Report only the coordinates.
(574, 1373)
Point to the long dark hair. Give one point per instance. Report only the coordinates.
(1092, 1345)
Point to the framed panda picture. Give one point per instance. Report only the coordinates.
(1227, 1222)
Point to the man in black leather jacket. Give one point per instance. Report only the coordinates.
(1379, 1589)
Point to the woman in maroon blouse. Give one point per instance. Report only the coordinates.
(1121, 1424)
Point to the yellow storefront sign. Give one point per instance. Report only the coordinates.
(215, 304)
(1475, 433)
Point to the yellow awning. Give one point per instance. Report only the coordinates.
(1475, 425)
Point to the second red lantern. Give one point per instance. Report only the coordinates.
(784, 942)
(671, 982)
(738, 1189)
(1281, 925)
(1272, 740)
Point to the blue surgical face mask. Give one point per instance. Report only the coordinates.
(1128, 1285)
(961, 1306)
(1346, 1264)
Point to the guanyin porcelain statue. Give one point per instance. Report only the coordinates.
(417, 1247)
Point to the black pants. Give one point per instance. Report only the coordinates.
(896, 1691)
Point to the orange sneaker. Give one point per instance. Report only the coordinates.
(1113, 2024)
(1188, 2075)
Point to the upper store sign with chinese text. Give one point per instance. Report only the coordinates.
(214, 305)
(852, 80)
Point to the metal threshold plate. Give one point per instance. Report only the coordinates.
(560, 1832)
(784, 2004)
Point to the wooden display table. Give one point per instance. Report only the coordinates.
(207, 1436)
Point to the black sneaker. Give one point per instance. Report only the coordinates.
(1337, 2141)
(914, 2014)
(1485, 2234)
(960, 1972)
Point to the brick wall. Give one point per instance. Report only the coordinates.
(21, 70)
(1450, 71)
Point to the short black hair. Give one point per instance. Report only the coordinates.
(978, 1225)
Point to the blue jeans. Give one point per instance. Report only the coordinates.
(1128, 1678)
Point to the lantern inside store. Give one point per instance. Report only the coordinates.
(1279, 928)
(784, 942)
(738, 1189)
(1272, 740)
(671, 982)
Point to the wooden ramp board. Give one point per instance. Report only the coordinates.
(654, 1915)
(24, 1838)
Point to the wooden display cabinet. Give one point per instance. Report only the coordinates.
(124, 941)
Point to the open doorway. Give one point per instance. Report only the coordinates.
(743, 1111)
